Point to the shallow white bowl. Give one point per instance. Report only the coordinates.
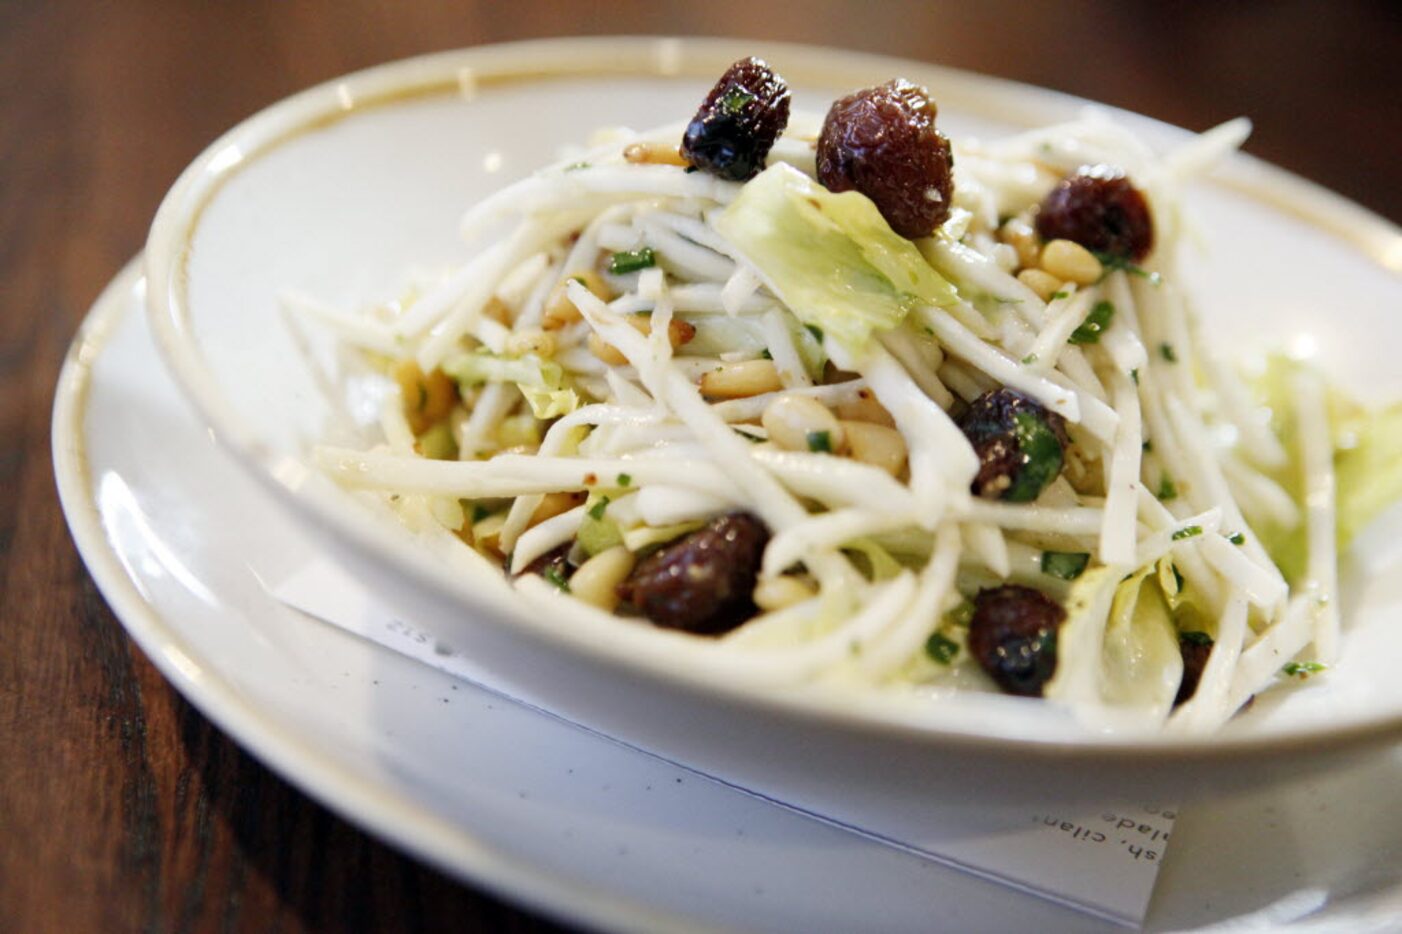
(340, 190)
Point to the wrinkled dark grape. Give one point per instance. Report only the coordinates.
(701, 582)
(1195, 653)
(1020, 445)
(882, 142)
(732, 133)
(554, 566)
(1013, 636)
(1102, 211)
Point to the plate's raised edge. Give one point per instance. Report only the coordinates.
(393, 817)
(1375, 237)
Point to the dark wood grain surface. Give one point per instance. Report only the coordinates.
(121, 807)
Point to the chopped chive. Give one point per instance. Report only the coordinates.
(733, 101)
(624, 479)
(941, 648)
(1065, 565)
(1057, 295)
(1097, 320)
(1030, 359)
(1147, 446)
(1237, 538)
(820, 442)
(765, 354)
(556, 576)
(1112, 262)
(1167, 489)
(1134, 375)
(816, 331)
(1187, 531)
(753, 439)
(632, 260)
(961, 615)
(596, 511)
(1303, 669)
(479, 512)
(1195, 638)
(1177, 578)
(1168, 353)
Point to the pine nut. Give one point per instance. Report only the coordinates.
(776, 593)
(738, 380)
(1068, 261)
(876, 445)
(596, 580)
(865, 408)
(605, 351)
(560, 311)
(801, 423)
(552, 504)
(653, 154)
(531, 340)
(1019, 235)
(497, 310)
(1043, 283)
(427, 399)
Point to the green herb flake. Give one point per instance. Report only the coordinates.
(632, 260)
(1029, 359)
(816, 331)
(1177, 578)
(1059, 295)
(1237, 538)
(597, 510)
(1064, 565)
(765, 354)
(1097, 320)
(1195, 638)
(625, 479)
(1167, 489)
(961, 615)
(941, 648)
(1168, 353)
(479, 512)
(753, 439)
(576, 166)
(1041, 457)
(1112, 262)
(734, 100)
(556, 576)
(1303, 669)
(820, 442)
(1147, 446)
(1187, 531)
(1134, 375)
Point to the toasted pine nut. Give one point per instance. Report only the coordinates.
(552, 504)
(596, 580)
(865, 408)
(497, 310)
(1041, 282)
(738, 380)
(876, 445)
(606, 351)
(486, 534)
(1068, 261)
(776, 593)
(1019, 235)
(801, 423)
(427, 399)
(531, 340)
(653, 154)
(560, 311)
(679, 332)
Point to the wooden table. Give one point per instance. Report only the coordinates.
(121, 807)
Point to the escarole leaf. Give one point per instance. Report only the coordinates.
(1367, 464)
(832, 258)
(1142, 664)
(542, 382)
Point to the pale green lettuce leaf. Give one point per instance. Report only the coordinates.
(1143, 664)
(542, 382)
(832, 258)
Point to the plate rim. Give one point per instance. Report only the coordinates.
(1378, 239)
(390, 816)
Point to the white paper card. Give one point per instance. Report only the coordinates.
(1103, 862)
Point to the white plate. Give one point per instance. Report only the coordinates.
(545, 812)
(339, 190)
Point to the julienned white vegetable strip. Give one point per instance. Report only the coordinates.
(607, 399)
(1317, 456)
